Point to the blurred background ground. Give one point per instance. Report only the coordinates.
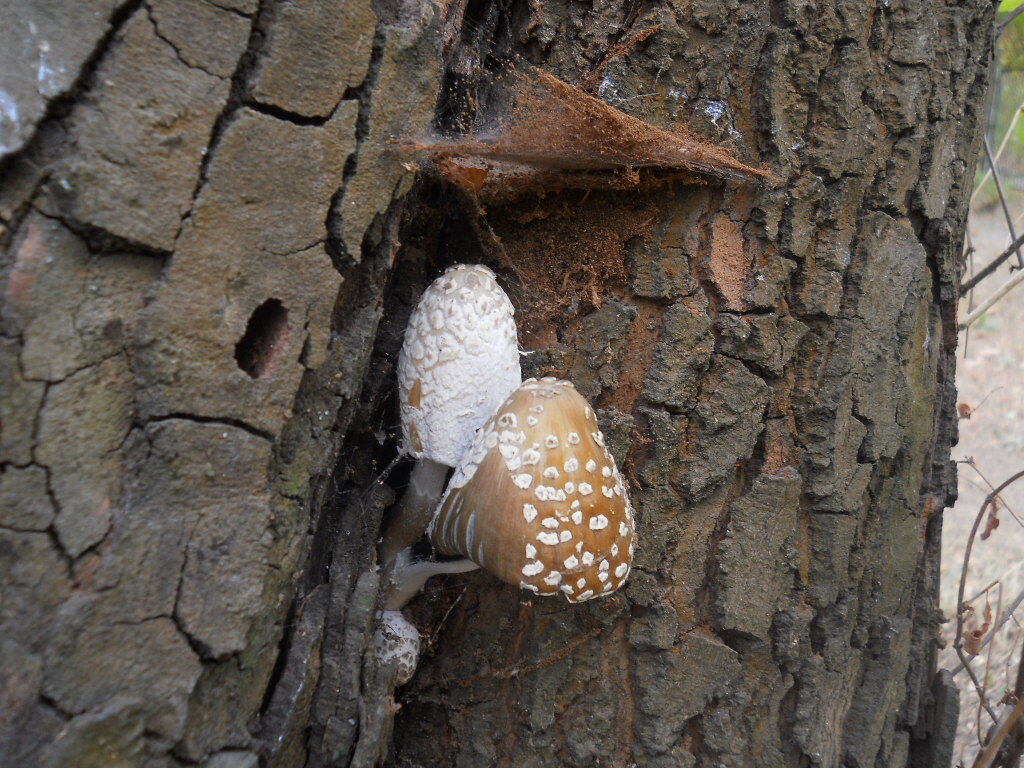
(990, 380)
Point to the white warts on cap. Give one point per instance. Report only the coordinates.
(532, 569)
(459, 361)
(397, 641)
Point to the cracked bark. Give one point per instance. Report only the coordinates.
(186, 550)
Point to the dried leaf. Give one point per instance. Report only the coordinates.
(991, 524)
(974, 637)
(972, 641)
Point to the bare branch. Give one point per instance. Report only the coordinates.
(1003, 618)
(991, 267)
(1016, 279)
(988, 656)
(1002, 25)
(982, 698)
(985, 758)
(974, 465)
(999, 152)
(1002, 199)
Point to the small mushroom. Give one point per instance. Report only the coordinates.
(396, 641)
(537, 499)
(459, 360)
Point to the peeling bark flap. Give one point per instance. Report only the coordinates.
(559, 137)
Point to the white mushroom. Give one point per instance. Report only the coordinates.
(515, 520)
(459, 359)
(396, 641)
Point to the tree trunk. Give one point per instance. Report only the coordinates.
(211, 243)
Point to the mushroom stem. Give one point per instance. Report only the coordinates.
(410, 574)
(412, 514)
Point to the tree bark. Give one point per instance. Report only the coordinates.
(210, 245)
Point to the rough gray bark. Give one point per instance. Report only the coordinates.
(210, 246)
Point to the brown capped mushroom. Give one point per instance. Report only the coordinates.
(537, 499)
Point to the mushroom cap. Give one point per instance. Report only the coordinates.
(397, 640)
(460, 358)
(537, 499)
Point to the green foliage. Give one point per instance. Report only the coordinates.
(1011, 43)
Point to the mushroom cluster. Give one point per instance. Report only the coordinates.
(535, 498)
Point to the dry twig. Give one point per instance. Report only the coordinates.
(999, 152)
(1002, 198)
(988, 656)
(1003, 618)
(984, 760)
(1009, 20)
(991, 267)
(1016, 279)
(999, 500)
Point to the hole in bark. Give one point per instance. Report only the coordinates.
(259, 351)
